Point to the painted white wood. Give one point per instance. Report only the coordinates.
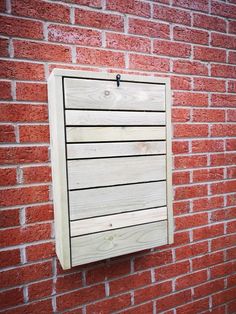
(106, 134)
(110, 222)
(117, 199)
(90, 117)
(94, 247)
(114, 149)
(111, 171)
(92, 94)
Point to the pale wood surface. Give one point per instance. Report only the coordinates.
(110, 222)
(106, 134)
(112, 200)
(111, 171)
(90, 117)
(94, 247)
(91, 94)
(114, 149)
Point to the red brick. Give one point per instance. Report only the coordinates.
(209, 22)
(68, 282)
(180, 115)
(223, 70)
(231, 308)
(3, 6)
(36, 174)
(232, 27)
(231, 200)
(149, 63)
(183, 162)
(191, 221)
(223, 9)
(11, 112)
(171, 15)
(41, 51)
(107, 271)
(74, 35)
(189, 67)
(5, 90)
(232, 86)
(223, 159)
(182, 177)
(7, 133)
(190, 130)
(152, 292)
(10, 258)
(13, 155)
(173, 270)
(181, 208)
(208, 288)
(181, 238)
(22, 275)
(110, 305)
(41, 307)
(20, 235)
(11, 298)
(172, 301)
(190, 35)
(89, 3)
(38, 213)
(9, 218)
(208, 232)
(231, 226)
(223, 187)
(209, 85)
(208, 115)
(99, 20)
(201, 5)
(207, 260)
(223, 100)
(190, 99)
(21, 70)
(130, 282)
(100, 57)
(223, 130)
(180, 83)
(40, 290)
(192, 279)
(191, 250)
(41, 10)
(231, 254)
(223, 214)
(149, 28)
(24, 195)
(231, 172)
(232, 59)
(79, 297)
(209, 54)
(143, 308)
(34, 133)
(224, 41)
(231, 115)
(223, 242)
(223, 269)
(208, 203)
(204, 175)
(132, 7)
(40, 251)
(15, 27)
(180, 147)
(4, 44)
(169, 48)
(31, 92)
(131, 43)
(202, 146)
(152, 260)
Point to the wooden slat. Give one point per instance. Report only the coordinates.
(111, 171)
(94, 247)
(106, 134)
(90, 117)
(106, 95)
(110, 222)
(117, 199)
(114, 149)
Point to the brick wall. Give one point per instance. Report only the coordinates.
(193, 42)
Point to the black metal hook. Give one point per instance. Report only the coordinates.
(118, 77)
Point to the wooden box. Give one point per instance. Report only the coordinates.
(111, 163)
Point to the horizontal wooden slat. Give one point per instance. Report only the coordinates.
(106, 134)
(117, 199)
(110, 222)
(111, 171)
(90, 117)
(95, 94)
(114, 149)
(90, 248)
